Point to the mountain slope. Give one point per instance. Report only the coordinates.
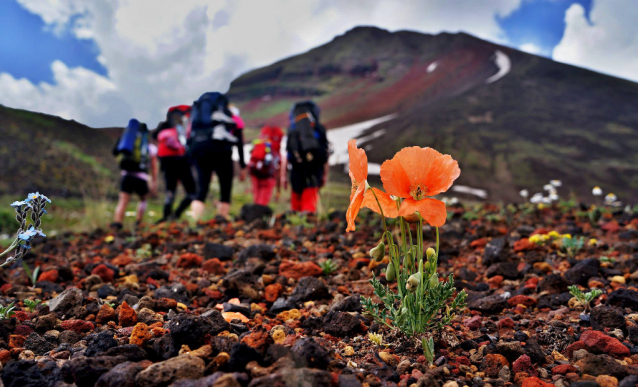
(39, 152)
(512, 119)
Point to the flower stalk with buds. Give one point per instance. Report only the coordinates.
(33, 207)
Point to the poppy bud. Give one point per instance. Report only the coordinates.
(430, 253)
(412, 282)
(377, 253)
(426, 266)
(390, 273)
(434, 280)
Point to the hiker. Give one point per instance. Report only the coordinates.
(265, 164)
(135, 154)
(171, 137)
(214, 133)
(307, 157)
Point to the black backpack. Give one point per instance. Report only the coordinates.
(211, 119)
(305, 134)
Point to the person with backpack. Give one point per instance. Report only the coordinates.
(171, 137)
(214, 133)
(265, 163)
(135, 154)
(307, 157)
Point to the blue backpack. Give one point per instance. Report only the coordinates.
(132, 148)
(210, 112)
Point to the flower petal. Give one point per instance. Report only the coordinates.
(419, 166)
(388, 204)
(432, 210)
(358, 162)
(355, 206)
(441, 171)
(394, 178)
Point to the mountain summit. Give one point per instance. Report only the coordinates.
(512, 119)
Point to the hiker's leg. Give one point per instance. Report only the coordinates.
(225, 174)
(170, 178)
(254, 184)
(120, 209)
(265, 190)
(204, 174)
(141, 209)
(309, 199)
(295, 201)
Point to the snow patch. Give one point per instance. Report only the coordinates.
(338, 137)
(481, 193)
(504, 66)
(432, 66)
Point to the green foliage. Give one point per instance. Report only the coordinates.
(421, 302)
(571, 246)
(584, 298)
(328, 267)
(33, 276)
(428, 349)
(470, 215)
(144, 252)
(299, 220)
(31, 304)
(7, 311)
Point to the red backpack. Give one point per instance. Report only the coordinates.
(262, 160)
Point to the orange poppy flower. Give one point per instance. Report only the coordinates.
(388, 204)
(415, 174)
(358, 171)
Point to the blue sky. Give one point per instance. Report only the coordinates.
(102, 61)
(28, 47)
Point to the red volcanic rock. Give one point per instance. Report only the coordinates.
(214, 266)
(535, 382)
(564, 369)
(473, 323)
(272, 292)
(598, 342)
(524, 364)
(105, 314)
(299, 270)
(494, 363)
(505, 323)
(140, 334)
(127, 316)
(522, 300)
(77, 326)
(189, 260)
(49, 275)
(103, 272)
(122, 260)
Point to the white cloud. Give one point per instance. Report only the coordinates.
(531, 48)
(608, 44)
(163, 52)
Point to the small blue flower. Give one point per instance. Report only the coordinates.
(27, 235)
(19, 203)
(33, 196)
(30, 234)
